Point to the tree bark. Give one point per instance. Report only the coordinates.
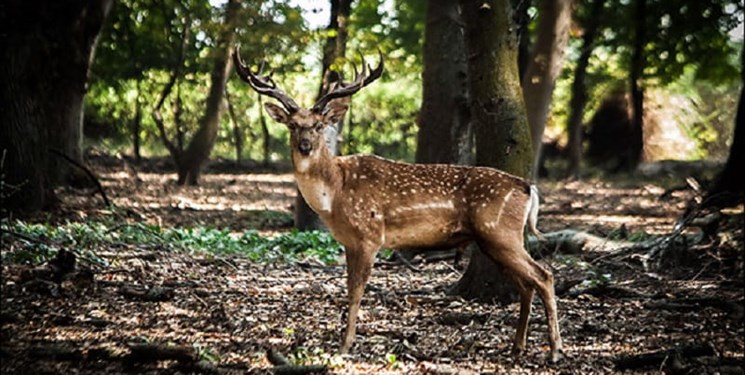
(544, 67)
(266, 137)
(47, 50)
(445, 134)
(335, 48)
(498, 115)
(137, 126)
(522, 19)
(237, 131)
(579, 90)
(729, 186)
(633, 156)
(203, 141)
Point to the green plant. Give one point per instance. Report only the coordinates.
(86, 237)
(206, 353)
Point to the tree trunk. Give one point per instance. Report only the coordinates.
(445, 134)
(201, 144)
(522, 19)
(633, 156)
(237, 132)
(544, 66)
(498, 115)
(47, 51)
(336, 44)
(579, 91)
(729, 186)
(266, 137)
(137, 126)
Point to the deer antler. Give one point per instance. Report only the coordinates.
(367, 76)
(263, 84)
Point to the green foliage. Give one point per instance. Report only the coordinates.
(385, 123)
(139, 47)
(206, 353)
(391, 360)
(88, 237)
(688, 43)
(691, 63)
(592, 276)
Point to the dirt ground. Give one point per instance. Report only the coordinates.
(688, 318)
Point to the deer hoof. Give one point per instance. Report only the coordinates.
(345, 348)
(556, 356)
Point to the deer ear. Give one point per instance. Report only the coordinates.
(334, 111)
(277, 113)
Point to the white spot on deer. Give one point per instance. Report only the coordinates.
(446, 205)
(302, 165)
(501, 208)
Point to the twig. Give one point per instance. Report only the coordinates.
(406, 262)
(87, 171)
(24, 237)
(700, 272)
(283, 366)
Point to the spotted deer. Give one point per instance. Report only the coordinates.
(368, 202)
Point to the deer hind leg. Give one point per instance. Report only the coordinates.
(528, 275)
(359, 266)
(526, 305)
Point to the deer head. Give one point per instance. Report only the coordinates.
(307, 125)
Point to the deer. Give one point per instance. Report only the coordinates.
(368, 202)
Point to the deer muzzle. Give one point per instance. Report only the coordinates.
(305, 147)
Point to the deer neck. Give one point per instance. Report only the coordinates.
(318, 178)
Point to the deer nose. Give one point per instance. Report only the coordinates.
(305, 147)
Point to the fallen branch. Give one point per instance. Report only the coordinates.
(612, 291)
(460, 319)
(144, 353)
(443, 369)
(734, 308)
(153, 294)
(572, 242)
(283, 367)
(657, 359)
(186, 358)
(55, 352)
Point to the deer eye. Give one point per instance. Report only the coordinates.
(318, 127)
(292, 125)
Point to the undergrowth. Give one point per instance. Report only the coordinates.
(36, 243)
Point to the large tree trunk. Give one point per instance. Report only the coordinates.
(544, 67)
(522, 19)
(729, 187)
(498, 115)
(633, 156)
(445, 134)
(579, 91)
(47, 49)
(335, 48)
(201, 144)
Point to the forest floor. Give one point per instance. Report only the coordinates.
(616, 313)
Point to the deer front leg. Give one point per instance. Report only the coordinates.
(359, 266)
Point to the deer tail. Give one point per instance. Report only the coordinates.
(535, 202)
